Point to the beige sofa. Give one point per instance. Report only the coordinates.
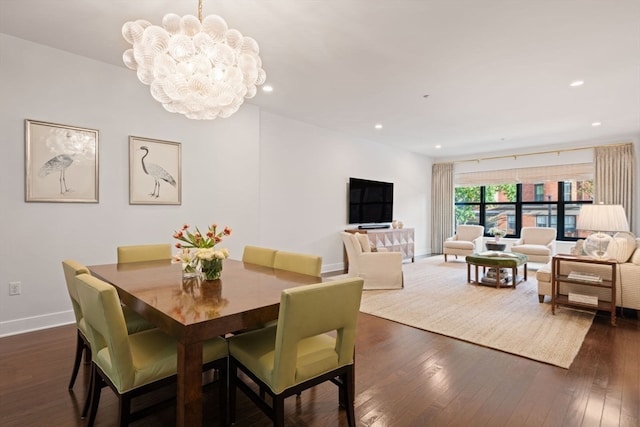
(628, 275)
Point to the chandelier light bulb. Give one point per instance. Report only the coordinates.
(201, 69)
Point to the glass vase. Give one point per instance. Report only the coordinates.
(190, 264)
(211, 269)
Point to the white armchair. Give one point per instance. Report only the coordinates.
(537, 243)
(467, 240)
(380, 270)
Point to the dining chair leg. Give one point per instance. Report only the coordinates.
(349, 395)
(95, 396)
(124, 409)
(233, 372)
(222, 395)
(87, 400)
(278, 411)
(80, 345)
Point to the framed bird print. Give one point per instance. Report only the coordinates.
(155, 176)
(61, 163)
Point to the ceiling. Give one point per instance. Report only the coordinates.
(496, 73)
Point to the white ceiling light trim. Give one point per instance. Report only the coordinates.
(199, 68)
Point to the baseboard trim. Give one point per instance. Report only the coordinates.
(35, 323)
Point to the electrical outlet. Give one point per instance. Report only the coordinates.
(15, 288)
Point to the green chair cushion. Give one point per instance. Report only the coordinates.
(135, 322)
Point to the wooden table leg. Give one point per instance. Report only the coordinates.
(514, 274)
(477, 280)
(189, 387)
(468, 273)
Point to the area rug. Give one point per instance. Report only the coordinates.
(437, 298)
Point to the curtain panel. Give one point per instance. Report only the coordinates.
(442, 205)
(614, 181)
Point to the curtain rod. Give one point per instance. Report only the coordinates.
(515, 156)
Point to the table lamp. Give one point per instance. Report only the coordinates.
(602, 219)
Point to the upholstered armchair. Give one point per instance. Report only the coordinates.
(537, 243)
(380, 270)
(467, 240)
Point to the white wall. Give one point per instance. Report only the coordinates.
(275, 181)
(304, 181)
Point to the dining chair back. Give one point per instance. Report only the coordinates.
(138, 253)
(259, 255)
(133, 364)
(298, 263)
(313, 342)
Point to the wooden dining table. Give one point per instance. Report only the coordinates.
(194, 310)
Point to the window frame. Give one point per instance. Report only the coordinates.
(558, 205)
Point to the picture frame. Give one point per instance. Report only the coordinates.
(155, 172)
(69, 153)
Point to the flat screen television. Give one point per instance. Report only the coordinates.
(370, 201)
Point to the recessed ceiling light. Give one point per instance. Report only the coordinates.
(267, 88)
(577, 83)
(596, 124)
(438, 147)
(378, 126)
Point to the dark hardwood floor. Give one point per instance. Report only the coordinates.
(404, 377)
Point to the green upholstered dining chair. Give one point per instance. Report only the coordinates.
(133, 364)
(138, 253)
(71, 269)
(313, 342)
(134, 322)
(258, 255)
(299, 263)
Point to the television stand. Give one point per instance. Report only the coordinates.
(372, 226)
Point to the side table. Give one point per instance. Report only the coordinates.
(558, 298)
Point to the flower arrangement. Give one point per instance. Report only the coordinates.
(198, 253)
(497, 232)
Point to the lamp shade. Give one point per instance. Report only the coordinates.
(602, 218)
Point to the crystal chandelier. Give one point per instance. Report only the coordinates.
(199, 68)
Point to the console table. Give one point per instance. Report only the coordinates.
(391, 239)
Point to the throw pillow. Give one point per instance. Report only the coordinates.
(578, 249)
(617, 250)
(631, 243)
(635, 258)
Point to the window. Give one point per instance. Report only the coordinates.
(567, 191)
(513, 206)
(539, 192)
